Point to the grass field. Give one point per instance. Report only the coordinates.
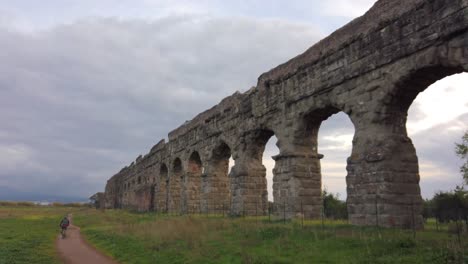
(28, 234)
(149, 238)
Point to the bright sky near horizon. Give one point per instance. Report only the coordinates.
(86, 86)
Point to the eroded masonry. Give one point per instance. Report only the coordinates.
(371, 69)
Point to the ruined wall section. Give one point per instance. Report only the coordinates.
(355, 70)
(131, 187)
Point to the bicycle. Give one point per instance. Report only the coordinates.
(63, 232)
(64, 225)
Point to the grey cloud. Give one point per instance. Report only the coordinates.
(437, 143)
(88, 97)
(415, 112)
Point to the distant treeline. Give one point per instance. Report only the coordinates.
(447, 206)
(11, 203)
(332, 207)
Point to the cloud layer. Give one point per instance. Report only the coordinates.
(79, 101)
(82, 95)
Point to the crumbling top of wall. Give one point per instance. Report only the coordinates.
(382, 13)
(158, 147)
(206, 116)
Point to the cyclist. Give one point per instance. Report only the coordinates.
(64, 225)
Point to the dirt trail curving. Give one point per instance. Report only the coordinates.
(74, 250)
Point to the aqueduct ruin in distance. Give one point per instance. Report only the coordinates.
(371, 69)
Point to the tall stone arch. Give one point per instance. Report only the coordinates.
(192, 184)
(216, 193)
(248, 179)
(175, 187)
(162, 186)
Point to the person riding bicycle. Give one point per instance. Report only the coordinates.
(64, 225)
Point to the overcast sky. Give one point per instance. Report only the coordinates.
(86, 86)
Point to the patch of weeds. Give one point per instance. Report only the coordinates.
(270, 233)
(447, 255)
(406, 243)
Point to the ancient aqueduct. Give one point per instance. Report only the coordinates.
(371, 69)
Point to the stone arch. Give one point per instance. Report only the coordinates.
(248, 183)
(310, 125)
(383, 150)
(152, 189)
(192, 184)
(215, 183)
(162, 189)
(259, 138)
(334, 148)
(175, 186)
(298, 170)
(405, 90)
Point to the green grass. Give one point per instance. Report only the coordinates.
(27, 236)
(149, 238)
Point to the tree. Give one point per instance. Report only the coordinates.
(428, 209)
(462, 151)
(333, 207)
(450, 206)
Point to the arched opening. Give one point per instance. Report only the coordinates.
(175, 187)
(152, 188)
(385, 164)
(249, 185)
(216, 189)
(271, 150)
(192, 184)
(309, 157)
(433, 107)
(335, 140)
(162, 189)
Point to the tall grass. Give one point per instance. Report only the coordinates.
(146, 238)
(27, 235)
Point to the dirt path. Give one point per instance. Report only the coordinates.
(74, 250)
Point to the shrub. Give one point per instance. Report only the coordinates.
(451, 206)
(75, 205)
(406, 243)
(333, 207)
(25, 204)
